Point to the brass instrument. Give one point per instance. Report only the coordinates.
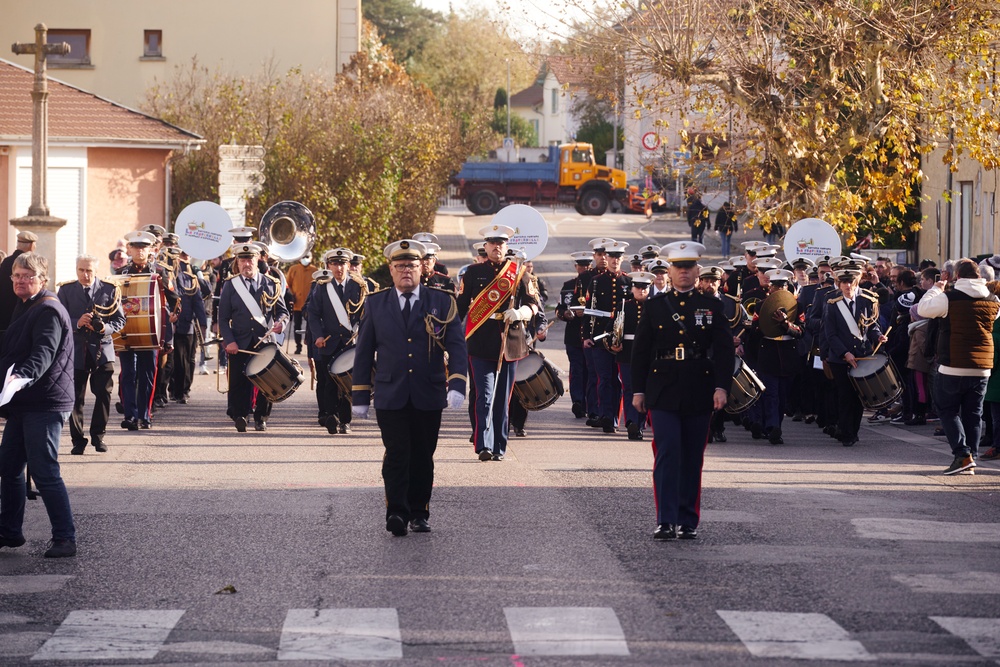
(288, 229)
(751, 306)
(779, 300)
(617, 332)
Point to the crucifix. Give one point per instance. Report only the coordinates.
(38, 218)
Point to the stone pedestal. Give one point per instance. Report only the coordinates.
(45, 226)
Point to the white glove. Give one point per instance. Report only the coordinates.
(516, 314)
(455, 399)
(360, 411)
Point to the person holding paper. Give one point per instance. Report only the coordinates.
(37, 346)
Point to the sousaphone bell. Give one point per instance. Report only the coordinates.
(288, 229)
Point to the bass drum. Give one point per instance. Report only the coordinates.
(745, 390)
(536, 382)
(274, 373)
(143, 305)
(877, 381)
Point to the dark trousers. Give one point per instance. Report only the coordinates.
(164, 373)
(484, 376)
(138, 374)
(297, 329)
(609, 385)
(183, 355)
(410, 438)
(679, 442)
(631, 414)
(517, 414)
(774, 399)
(101, 382)
(240, 399)
(330, 398)
(959, 402)
(592, 398)
(849, 406)
(577, 375)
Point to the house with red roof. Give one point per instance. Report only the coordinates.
(548, 104)
(108, 166)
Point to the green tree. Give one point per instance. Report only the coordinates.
(521, 130)
(404, 26)
(595, 128)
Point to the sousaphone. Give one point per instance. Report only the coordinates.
(780, 300)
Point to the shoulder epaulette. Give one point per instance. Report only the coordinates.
(268, 275)
(868, 294)
(384, 289)
(433, 287)
(835, 300)
(65, 282)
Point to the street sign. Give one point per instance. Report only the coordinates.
(651, 141)
(238, 215)
(241, 152)
(508, 144)
(241, 191)
(241, 164)
(232, 202)
(246, 178)
(679, 159)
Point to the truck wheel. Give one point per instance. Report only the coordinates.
(593, 202)
(484, 202)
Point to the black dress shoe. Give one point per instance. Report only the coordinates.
(665, 531)
(12, 542)
(78, 449)
(593, 421)
(849, 441)
(578, 410)
(183, 400)
(472, 439)
(344, 429)
(131, 424)
(331, 425)
(419, 526)
(241, 424)
(395, 525)
(775, 437)
(259, 425)
(720, 436)
(100, 446)
(497, 457)
(119, 408)
(608, 425)
(687, 533)
(519, 432)
(485, 455)
(145, 424)
(756, 432)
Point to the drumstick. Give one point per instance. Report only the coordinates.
(248, 352)
(880, 342)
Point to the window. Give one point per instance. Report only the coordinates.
(152, 44)
(555, 100)
(79, 48)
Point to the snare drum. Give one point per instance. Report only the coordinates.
(745, 390)
(274, 373)
(142, 302)
(341, 369)
(877, 381)
(536, 382)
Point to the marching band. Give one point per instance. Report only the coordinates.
(675, 348)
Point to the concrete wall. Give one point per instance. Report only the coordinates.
(239, 36)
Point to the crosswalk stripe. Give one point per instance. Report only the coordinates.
(927, 531)
(342, 634)
(565, 631)
(981, 583)
(770, 634)
(981, 634)
(132, 634)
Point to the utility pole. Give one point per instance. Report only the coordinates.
(508, 141)
(38, 218)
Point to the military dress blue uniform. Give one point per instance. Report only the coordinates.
(683, 352)
(93, 355)
(237, 325)
(583, 394)
(411, 383)
(608, 292)
(192, 290)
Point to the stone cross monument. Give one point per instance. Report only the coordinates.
(38, 219)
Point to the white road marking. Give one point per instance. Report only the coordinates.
(927, 531)
(565, 631)
(341, 634)
(984, 583)
(982, 634)
(114, 634)
(219, 647)
(32, 583)
(769, 634)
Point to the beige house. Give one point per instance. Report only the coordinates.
(108, 166)
(120, 47)
(965, 226)
(547, 104)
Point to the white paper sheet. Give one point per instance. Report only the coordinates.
(11, 386)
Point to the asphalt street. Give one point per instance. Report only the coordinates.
(199, 545)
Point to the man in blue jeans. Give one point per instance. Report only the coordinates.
(38, 345)
(965, 357)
